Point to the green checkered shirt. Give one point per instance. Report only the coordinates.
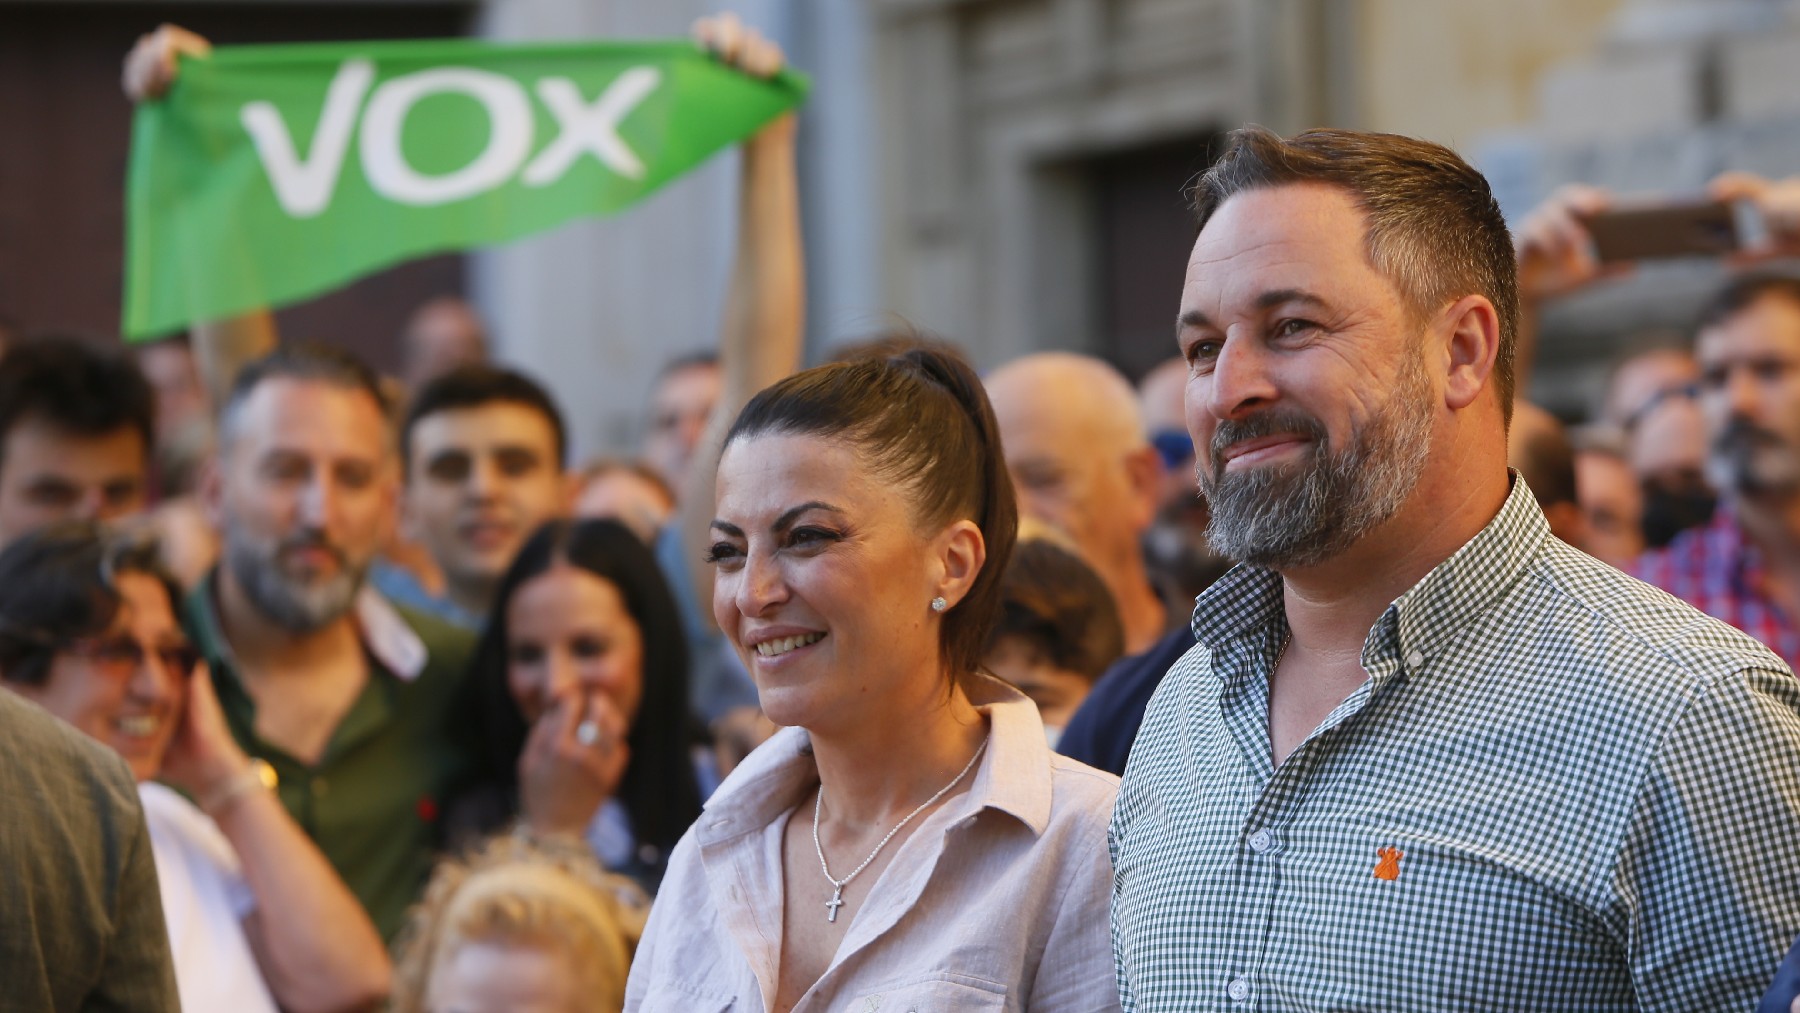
(1594, 791)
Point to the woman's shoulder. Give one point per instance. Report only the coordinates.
(1081, 795)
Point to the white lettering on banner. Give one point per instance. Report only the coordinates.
(304, 188)
(509, 135)
(592, 128)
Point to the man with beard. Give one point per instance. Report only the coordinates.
(483, 450)
(347, 699)
(1424, 755)
(1744, 567)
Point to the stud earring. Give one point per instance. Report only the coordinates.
(938, 604)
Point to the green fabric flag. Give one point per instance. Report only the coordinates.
(270, 174)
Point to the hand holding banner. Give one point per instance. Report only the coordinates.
(273, 173)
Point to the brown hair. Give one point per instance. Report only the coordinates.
(1743, 291)
(57, 586)
(921, 419)
(1434, 228)
(1058, 605)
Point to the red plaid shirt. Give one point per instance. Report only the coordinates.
(1717, 570)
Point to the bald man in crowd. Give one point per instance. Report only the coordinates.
(440, 335)
(1080, 460)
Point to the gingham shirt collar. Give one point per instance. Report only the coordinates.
(1248, 601)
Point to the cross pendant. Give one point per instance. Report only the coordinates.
(836, 901)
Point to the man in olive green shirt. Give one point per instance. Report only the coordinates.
(351, 701)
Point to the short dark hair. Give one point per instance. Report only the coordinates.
(56, 587)
(1434, 228)
(78, 386)
(301, 360)
(1741, 291)
(659, 789)
(1057, 604)
(922, 419)
(473, 385)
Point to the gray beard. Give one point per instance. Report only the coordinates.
(1295, 517)
(290, 605)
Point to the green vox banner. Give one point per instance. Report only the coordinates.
(270, 174)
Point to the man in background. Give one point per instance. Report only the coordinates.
(483, 451)
(76, 430)
(351, 700)
(1744, 566)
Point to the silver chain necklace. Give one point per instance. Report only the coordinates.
(837, 892)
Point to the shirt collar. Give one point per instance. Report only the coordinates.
(385, 633)
(1013, 775)
(1421, 621)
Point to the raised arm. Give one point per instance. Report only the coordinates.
(1556, 258)
(221, 347)
(766, 305)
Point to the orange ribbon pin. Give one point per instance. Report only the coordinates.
(1389, 866)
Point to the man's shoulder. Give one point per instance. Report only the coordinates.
(1135, 677)
(1626, 625)
(67, 767)
(448, 647)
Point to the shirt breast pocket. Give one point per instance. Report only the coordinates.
(943, 993)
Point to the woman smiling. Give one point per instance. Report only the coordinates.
(908, 841)
(257, 919)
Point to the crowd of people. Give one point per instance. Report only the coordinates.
(1320, 670)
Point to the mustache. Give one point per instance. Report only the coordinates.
(1741, 434)
(1272, 422)
(315, 541)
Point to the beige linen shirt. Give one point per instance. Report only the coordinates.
(998, 901)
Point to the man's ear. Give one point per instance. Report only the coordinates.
(1471, 342)
(1144, 472)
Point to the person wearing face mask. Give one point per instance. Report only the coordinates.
(580, 693)
(1744, 566)
(1058, 630)
(257, 919)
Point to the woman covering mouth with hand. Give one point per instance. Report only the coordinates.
(908, 841)
(257, 918)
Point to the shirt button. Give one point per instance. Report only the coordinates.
(1239, 989)
(1261, 842)
(1415, 660)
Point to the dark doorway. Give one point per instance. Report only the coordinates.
(1144, 232)
(66, 130)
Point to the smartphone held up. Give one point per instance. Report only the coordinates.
(1702, 228)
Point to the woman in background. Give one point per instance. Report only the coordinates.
(257, 917)
(580, 691)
